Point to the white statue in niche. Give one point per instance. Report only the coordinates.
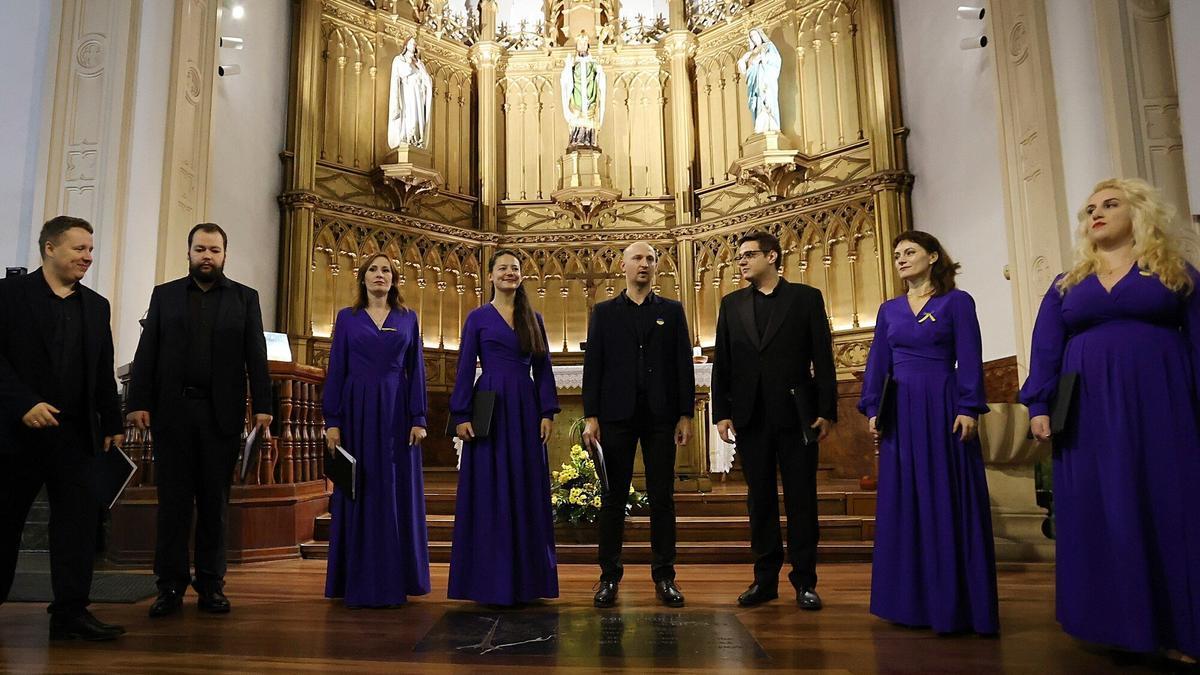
(409, 98)
(761, 65)
(583, 95)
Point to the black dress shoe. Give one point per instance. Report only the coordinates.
(607, 595)
(808, 599)
(668, 593)
(214, 602)
(168, 602)
(82, 625)
(757, 594)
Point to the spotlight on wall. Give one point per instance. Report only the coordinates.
(231, 42)
(967, 12)
(238, 11)
(977, 42)
(229, 70)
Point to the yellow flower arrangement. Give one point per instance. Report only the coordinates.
(575, 491)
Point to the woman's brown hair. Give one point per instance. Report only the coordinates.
(529, 333)
(943, 270)
(394, 300)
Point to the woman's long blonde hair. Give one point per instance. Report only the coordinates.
(1153, 242)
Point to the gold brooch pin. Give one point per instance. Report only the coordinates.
(928, 315)
(660, 322)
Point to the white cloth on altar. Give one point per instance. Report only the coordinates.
(571, 377)
(720, 453)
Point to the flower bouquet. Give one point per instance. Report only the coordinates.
(575, 488)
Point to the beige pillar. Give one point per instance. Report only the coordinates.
(484, 56)
(679, 47)
(881, 124)
(300, 176)
(1038, 218)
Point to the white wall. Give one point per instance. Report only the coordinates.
(25, 34)
(1185, 24)
(1075, 58)
(949, 102)
(143, 202)
(249, 122)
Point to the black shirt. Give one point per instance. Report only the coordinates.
(643, 323)
(202, 315)
(764, 306)
(66, 348)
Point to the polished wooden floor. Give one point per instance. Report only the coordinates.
(281, 623)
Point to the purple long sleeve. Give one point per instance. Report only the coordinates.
(335, 373)
(879, 364)
(414, 369)
(1045, 358)
(968, 351)
(543, 379)
(1191, 325)
(464, 379)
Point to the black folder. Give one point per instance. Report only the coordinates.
(597, 453)
(112, 472)
(806, 410)
(249, 451)
(483, 408)
(342, 469)
(1062, 408)
(887, 404)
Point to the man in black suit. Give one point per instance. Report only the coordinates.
(774, 357)
(638, 384)
(58, 408)
(201, 338)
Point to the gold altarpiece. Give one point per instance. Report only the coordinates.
(673, 131)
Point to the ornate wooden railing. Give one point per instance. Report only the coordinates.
(295, 453)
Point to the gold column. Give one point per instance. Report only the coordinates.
(300, 175)
(685, 254)
(883, 125)
(484, 55)
(680, 45)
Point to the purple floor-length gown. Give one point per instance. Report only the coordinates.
(935, 561)
(375, 394)
(1127, 467)
(503, 550)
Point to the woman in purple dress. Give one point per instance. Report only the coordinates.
(374, 406)
(1126, 319)
(503, 549)
(934, 562)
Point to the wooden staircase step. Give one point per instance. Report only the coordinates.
(689, 529)
(638, 553)
(830, 502)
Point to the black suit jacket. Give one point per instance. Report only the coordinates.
(796, 351)
(26, 364)
(238, 349)
(610, 362)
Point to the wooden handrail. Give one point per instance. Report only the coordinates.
(294, 454)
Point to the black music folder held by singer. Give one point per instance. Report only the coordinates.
(249, 451)
(483, 407)
(342, 469)
(112, 471)
(887, 403)
(807, 412)
(1062, 408)
(601, 467)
